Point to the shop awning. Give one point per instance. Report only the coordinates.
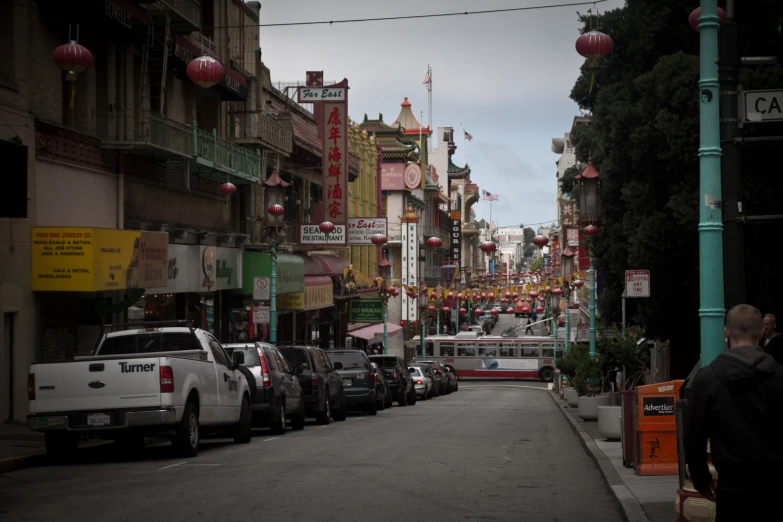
(311, 265)
(368, 332)
(332, 265)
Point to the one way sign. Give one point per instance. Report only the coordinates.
(637, 283)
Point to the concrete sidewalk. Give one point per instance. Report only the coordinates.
(19, 447)
(641, 499)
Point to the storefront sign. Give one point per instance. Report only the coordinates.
(221, 268)
(335, 152)
(314, 94)
(182, 270)
(365, 311)
(413, 176)
(97, 259)
(455, 238)
(572, 236)
(568, 211)
(317, 293)
(410, 269)
(312, 235)
(290, 272)
(361, 230)
(393, 176)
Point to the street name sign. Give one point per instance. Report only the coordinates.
(761, 106)
(637, 283)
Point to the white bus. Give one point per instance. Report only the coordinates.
(487, 357)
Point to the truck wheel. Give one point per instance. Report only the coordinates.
(298, 420)
(243, 430)
(341, 412)
(278, 422)
(325, 416)
(60, 445)
(187, 438)
(372, 408)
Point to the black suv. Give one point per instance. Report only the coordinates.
(400, 380)
(363, 389)
(321, 384)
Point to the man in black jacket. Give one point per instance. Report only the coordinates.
(737, 404)
(772, 340)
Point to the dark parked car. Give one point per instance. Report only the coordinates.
(360, 381)
(441, 376)
(321, 385)
(399, 377)
(453, 378)
(278, 395)
(387, 398)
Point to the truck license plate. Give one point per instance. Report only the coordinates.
(347, 382)
(98, 419)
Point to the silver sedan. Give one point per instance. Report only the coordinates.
(425, 388)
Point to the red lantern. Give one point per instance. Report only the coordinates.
(483, 295)
(528, 300)
(378, 239)
(541, 300)
(539, 309)
(430, 308)
(540, 240)
(478, 311)
(590, 231)
(533, 294)
(451, 295)
(502, 299)
(72, 58)
(434, 242)
(525, 309)
(394, 291)
(693, 18)
(228, 188)
(488, 246)
(205, 71)
(463, 311)
(508, 294)
(558, 291)
(276, 210)
(515, 295)
(446, 309)
(579, 283)
(494, 311)
(594, 45)
(510, 311)
(327, 227)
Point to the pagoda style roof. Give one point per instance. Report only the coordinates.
(455, 171)
(391, 139)
(590, 171)
(408, 121)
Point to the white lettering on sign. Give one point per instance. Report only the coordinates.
(761, 106)
(261, 315)
(662, 389)
(117, 14)
(361, 230)
(637, 283)
(312, 235)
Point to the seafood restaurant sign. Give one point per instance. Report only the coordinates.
(361, 230)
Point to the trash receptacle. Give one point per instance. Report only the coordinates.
(656, 429)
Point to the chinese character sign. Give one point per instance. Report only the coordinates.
(335, 162)
(568, 211)
(410, 272)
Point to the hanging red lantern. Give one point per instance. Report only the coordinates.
(205, 71)
(533, 294)
(525, 309)
(515, 295)
(378, 239)
(494, 311)
(478, 311)
(434, 242)
(451, 295)
(590, 231)
(488, 246)
(72, 58)
(693, 18)
(463, 311)
(594, 45)
(276, 210)
(578, 283)
(541, 300)
(431, 308)
(558, 291)
(228, 188)
(483, 295)
(539, 309)
(327, 227)
(446, 309)
(540, 240)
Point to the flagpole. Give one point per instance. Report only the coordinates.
(463, 143)
(429, 109)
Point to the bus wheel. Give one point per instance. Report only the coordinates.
(546, 374)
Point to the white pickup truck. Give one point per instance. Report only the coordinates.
(175, 382)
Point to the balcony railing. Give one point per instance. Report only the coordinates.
(226, 156)
(272, 133)
(470, 229)
(185, 14)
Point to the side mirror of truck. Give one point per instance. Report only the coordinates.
(338, 365)
(238, 358)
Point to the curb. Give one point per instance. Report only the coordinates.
(35, 460)
(630, 508)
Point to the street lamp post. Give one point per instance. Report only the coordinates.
(275, 220)
(590, 213)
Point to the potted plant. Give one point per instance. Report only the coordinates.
(567, 366)
(587, 382)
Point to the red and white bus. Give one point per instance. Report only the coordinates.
(485, 357)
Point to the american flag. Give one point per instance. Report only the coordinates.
(488, 196)
(468, 136)
(427, 81)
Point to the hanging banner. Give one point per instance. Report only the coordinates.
(448, 272)
(455, 237)
(410, 269)
(335, 152)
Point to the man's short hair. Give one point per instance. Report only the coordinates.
(744, 322)
(771, 316)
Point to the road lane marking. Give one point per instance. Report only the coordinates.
(267, 440)
(323, 427)
(172, 465)
(503, 386)
(204, 465)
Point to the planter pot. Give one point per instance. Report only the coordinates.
(571, 397)
(609, 422)
(588, 406)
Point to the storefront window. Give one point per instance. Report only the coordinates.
(152, 308)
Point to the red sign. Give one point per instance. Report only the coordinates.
(335, 160)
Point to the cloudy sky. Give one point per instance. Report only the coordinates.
(506, 77)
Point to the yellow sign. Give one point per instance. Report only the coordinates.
(318, 296)
(292, 301)
(97, 259)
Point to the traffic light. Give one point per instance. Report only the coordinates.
(402, 323)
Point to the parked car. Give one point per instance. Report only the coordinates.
(141, 382)
(478, 329)
(422, 382)
(486, 322)
(444, 386)
(429, 372)
(453, 378)
(278, 396)
(386, 399)
(360, 381)
(322, 386)
(400, 379)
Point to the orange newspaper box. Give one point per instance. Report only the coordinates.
(656, 428)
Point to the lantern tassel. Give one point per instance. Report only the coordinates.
(73, 95)
(592, 84)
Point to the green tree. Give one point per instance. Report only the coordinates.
(529, 234)
(537, 264)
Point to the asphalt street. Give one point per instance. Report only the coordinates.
(491, 451)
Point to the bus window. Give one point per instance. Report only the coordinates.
(488, 352)
(447, 349)
(429, 349)
(529, 351)
(463, 351)
(508, 352)
(548, 351)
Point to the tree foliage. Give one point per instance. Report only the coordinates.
(537, 264)
(644, 140)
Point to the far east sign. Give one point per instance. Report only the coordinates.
(761, 106)
(637, 283)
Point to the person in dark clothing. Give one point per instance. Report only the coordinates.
(772, 341)
(737, 404)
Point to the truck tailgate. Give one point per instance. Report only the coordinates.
(96, 385)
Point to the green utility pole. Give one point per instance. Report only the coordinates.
(711, 304)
